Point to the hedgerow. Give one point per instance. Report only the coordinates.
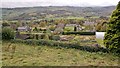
(79, 33)
(44, 42)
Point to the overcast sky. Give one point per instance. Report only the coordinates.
(31, 3)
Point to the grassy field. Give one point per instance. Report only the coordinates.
(69, 28)
(28, 55)
(101, 42)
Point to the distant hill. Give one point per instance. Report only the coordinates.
(28, 13)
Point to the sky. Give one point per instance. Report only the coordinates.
(31, 3)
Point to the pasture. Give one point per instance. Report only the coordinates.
(19, 54)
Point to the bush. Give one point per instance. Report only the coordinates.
(52, 28)
(46, 36)
(7, 33)
(31, 36)
(55, 37)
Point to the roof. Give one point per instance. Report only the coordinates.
(88, 23)
(23, 27)
(72, 25)
(60, 25)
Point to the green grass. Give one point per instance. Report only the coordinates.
(100, 42)
(69, 28)
(32, 55)
(0, 53)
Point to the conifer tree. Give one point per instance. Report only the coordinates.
(112, 36)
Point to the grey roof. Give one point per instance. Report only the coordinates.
(88, 23)
(23, 27)
(72, 25)
(60, 25)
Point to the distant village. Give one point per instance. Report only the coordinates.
(25, 29)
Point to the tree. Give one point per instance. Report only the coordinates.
(7, 33)
(52, 27)
(4, 24)
(35, 29)
(42, 24)
(75, 28)
(112, 36)
(101, 26)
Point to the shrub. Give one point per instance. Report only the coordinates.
(31, 36)
(4, 24)
(75, 28)
(112, 36)
(42, 36)
(7, 33)
(35, 29)
(55, 37)
(52, 28)
(46, 36)
(37, 36)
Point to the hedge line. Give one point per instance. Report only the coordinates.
(45, 42)
(59, 44)
(80, 33)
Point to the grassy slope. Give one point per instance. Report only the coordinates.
(44, 55)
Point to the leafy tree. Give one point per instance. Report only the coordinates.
(75, 28)
(112, 36)
(7, 33)
(101, 26)
(43, 24)
(35, 29)
(52, 27)
(5, 24)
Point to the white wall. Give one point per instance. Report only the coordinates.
(100, 35)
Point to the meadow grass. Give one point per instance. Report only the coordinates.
(100, 42)
(69, 28)
(33, 55)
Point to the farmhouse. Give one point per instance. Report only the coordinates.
(89, 23)
(70, 25)
(78, 27)
(60, 25)
(23, 28)
(59, 28)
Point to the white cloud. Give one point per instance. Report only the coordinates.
(25, 3)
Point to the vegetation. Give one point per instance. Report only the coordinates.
(59, 35)
(5, 24)
(55, 12)
(69, 28)
(7, 33)
(112, 37)
(19, 54)
(80, 33)
(73, 44)
(101, 27)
